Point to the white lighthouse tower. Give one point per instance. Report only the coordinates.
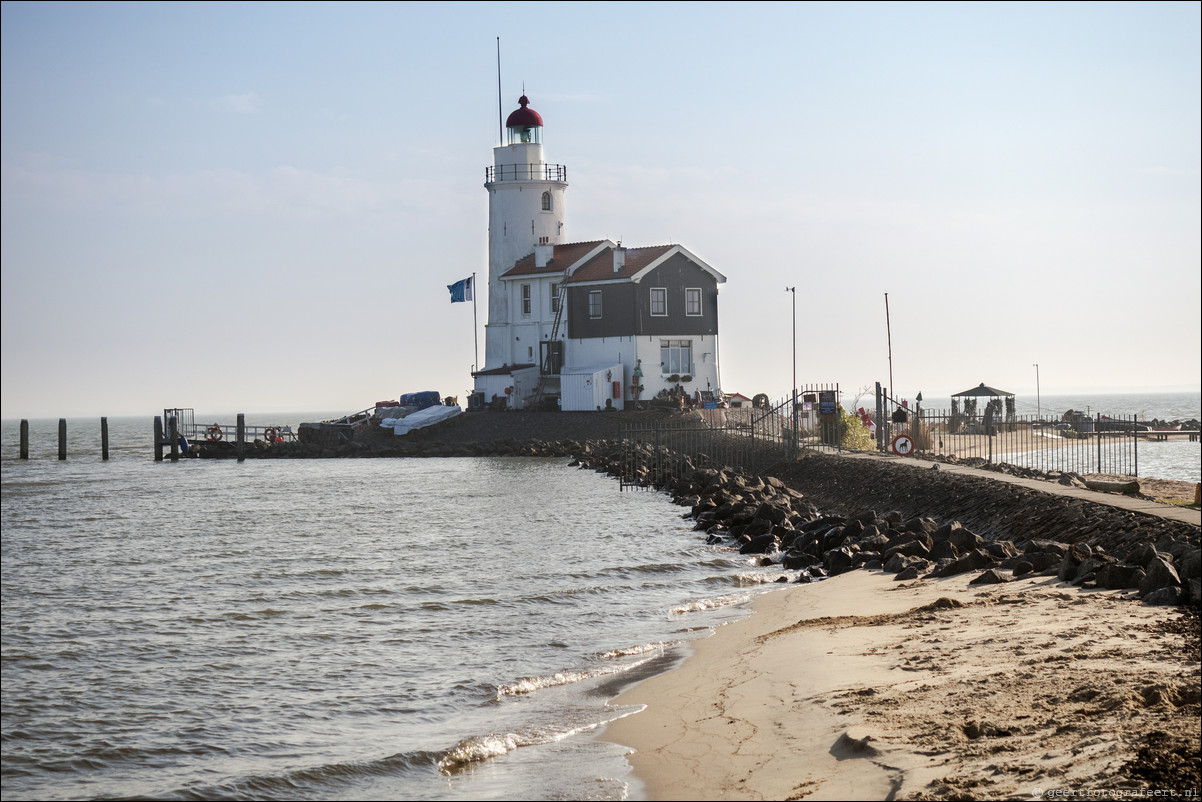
(525, 209)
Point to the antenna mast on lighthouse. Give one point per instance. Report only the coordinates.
(500, 114)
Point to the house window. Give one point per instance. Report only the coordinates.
(594, 304)
(554, 299)
(526, 300)
(676, 356)
(659, 302)
(692, 301)
(546, 201)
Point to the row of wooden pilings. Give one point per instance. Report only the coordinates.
(170, 438)
(62, 438)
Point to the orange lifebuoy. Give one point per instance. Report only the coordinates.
(270, 434)
(214, 433)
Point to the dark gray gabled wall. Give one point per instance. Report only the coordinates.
(626, 306)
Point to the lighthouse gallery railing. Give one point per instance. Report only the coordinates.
(526, 172)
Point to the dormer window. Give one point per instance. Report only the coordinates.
(546, 201)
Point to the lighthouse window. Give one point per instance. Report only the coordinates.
(546, 201)
(659, 302)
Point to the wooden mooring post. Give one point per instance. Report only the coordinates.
(173, 433)
(241, 436)
(158, 438)
(62, 438)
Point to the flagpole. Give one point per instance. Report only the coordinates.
(475, 325)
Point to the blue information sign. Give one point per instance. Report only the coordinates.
(826, 402)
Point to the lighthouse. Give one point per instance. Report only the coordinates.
(525, 209)
(582, 325)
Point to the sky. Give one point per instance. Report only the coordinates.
(257, 207)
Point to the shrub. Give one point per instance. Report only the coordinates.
(853, 434)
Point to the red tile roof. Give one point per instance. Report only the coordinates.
(562, 257)
(601, 266)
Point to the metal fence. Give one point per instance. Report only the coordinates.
(1105, 444)
(749, 439)
(753, 439)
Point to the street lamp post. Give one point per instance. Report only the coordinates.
(1038, 405)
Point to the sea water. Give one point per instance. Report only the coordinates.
(1177, 459)
(315, 629)
(319, 629)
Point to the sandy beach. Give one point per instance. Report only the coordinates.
(861, 687)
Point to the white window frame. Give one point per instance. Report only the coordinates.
(527, 294)
(659, 296)
(555, 299)
(692, 294)
(548, 202)
(594, 304)
(681, 367)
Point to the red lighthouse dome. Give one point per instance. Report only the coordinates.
(525, 116)
(525, 125)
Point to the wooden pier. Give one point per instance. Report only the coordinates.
(1162, 435)
(177, 429)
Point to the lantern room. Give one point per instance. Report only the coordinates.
(525, 126)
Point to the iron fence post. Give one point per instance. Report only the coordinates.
(1135, 440)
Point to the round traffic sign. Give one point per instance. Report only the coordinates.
(903, 445)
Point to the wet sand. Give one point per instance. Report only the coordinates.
(861, 687)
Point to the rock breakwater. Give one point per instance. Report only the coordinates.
(819, 516)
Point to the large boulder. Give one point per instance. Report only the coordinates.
(971, 561)
(1160, 574)
(990, 577)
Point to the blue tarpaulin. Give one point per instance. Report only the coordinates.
(421, 400)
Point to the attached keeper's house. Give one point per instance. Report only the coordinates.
(559, 308)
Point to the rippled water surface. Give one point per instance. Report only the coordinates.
(441, 628)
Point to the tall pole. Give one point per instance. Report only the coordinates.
(500, 125)
(889, 335)
(475, 324)
(1038, 405)
(793, 394)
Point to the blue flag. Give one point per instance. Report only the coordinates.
(461, 290)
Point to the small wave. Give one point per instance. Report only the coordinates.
(477, 748)
(745, 580)
(710, 604)
(486, 747)
(531, 684)
(631, 651)
(302, 783)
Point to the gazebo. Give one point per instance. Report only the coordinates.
(982, 390)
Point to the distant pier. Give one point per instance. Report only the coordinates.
(176, 432)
